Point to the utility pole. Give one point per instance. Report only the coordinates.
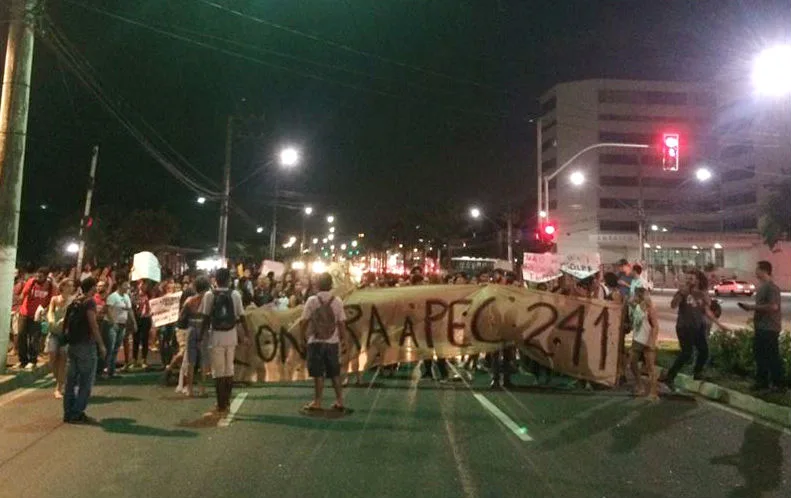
(640, 214)
(222, 247)
(510, 239)
(273, 233)
(540, 166)
(14, 106)
(87, 213)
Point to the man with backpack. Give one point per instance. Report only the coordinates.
(322, 321)
(223, 311)
(81, 331)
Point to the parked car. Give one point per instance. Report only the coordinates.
(734, 287)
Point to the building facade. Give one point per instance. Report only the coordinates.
(689, 219)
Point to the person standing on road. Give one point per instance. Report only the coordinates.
(143, 319)
(768, 324)
(192, 322)
(322, 321)
(694, 307)
(119, 315)
(56, 341)
(37, 292)
(83, 336)
(646, 331)
(223, 312)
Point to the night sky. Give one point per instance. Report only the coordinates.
(395, 104)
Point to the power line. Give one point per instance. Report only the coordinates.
(347, 48)
(299, 72)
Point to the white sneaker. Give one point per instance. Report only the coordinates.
(29, 367)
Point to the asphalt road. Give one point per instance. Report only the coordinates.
(405, 439)
(732, 315)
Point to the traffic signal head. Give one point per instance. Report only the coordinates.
(670, 151)
(547, 232)
(549, 229)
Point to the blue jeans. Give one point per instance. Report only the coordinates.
(115, 338)
(79, 379)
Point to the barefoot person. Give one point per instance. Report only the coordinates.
(56, 342)
(322, 321)
(646, 330)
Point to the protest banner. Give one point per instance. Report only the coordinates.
(577, 337)
(581, 266)
(165, 309)
(540, 267)
(145, 265)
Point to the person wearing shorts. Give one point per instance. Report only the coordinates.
(222, 341)
(324, 354)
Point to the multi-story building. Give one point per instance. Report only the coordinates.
(689, 219)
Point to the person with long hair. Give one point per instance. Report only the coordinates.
(56, 341)
(645, 326)
(694, 307)
(144, 322)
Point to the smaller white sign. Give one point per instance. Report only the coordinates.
(146, 265)
(540, 267)
(165, 309)
(274, 266)
(581, 266)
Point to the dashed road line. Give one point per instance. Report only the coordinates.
(521, 432)
(235, 405)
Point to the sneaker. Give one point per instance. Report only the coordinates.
(494, 385)
(29, 367)
(144, 366)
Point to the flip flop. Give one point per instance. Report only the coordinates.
(312, 408)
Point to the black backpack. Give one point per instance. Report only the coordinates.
(75, 323)
(223, 313)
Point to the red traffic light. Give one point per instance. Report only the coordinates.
(670, 152)
(549, 229)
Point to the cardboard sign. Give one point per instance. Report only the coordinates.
(145, 265)
(574, 336)
(581, 266)
(165, 309)
(538, 267)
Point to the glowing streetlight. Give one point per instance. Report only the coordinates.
(289, 157)
(772, 71)
(72, 248)
(717, 245)
(354, 243)
(542, 214)
(577, 178)
(654, 228)
(475, 213)
(324, 240)
(315, 241)
(703, 174)
(343, 247)
(332, 229)
(201, 200)
(308, 211)
(259, 230)
(330, 219)
(331, 236)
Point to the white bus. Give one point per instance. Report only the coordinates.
(476, 266)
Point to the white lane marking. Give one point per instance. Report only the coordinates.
(235, 405)
(520, 432)
(747, 416)
(15, 395)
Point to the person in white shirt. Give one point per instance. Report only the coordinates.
(322, 322)
(119, 315)
(223, 312)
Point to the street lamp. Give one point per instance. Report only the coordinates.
(307, 212)
(72, 248)
(289, 157)
(577, 178)
(475, 213)
(201, 200)
(330, 219)
(332, 229)
(772, 71)
(654, 228)
(703, 174)
(259, 230)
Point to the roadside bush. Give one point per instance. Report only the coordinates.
(732, 352)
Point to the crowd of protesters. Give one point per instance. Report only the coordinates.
(200, 343)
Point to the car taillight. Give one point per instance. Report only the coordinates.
(740, 287)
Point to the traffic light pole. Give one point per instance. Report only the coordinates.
(14, 106)
(87, 213)
(549, 178)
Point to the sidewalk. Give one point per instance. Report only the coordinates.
(15, 379)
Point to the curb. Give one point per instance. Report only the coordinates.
(11, 381)
(777, 414)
